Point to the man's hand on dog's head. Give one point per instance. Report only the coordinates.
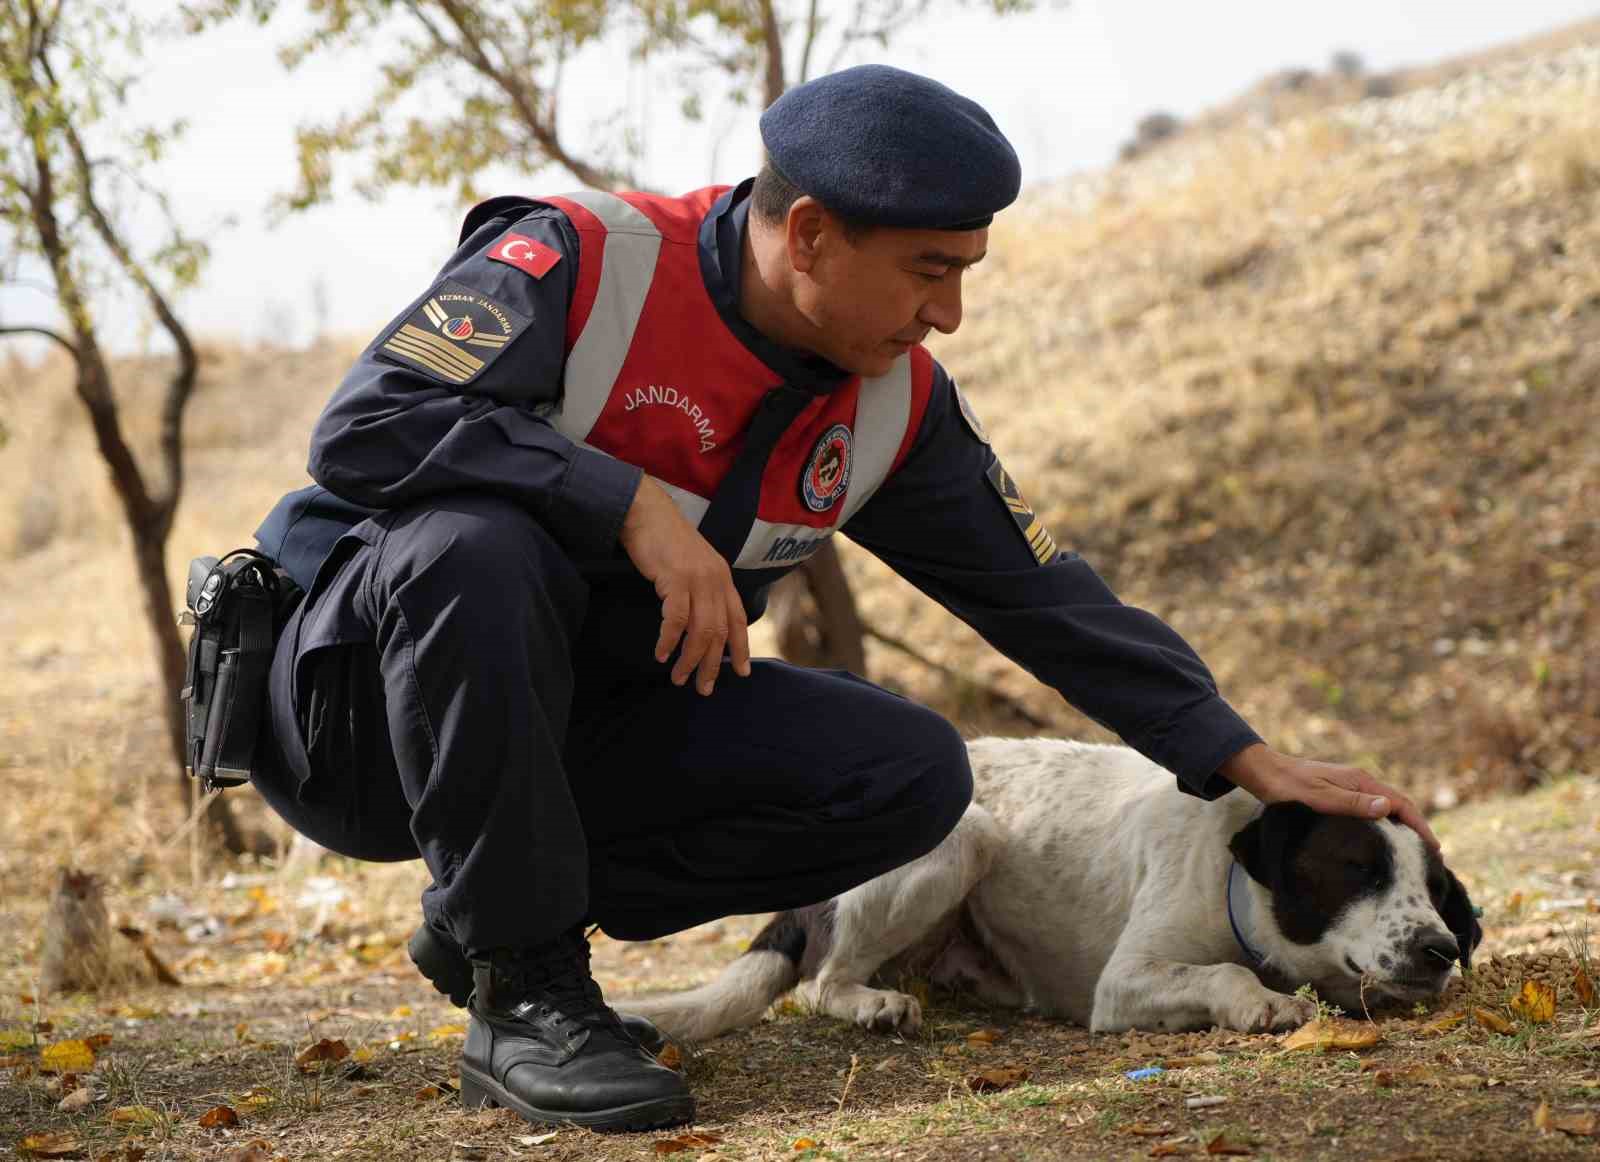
(1326, 787)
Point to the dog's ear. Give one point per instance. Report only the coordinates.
(1460, 917)
(1266, 845)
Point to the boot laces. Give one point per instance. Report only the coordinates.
(558, 973)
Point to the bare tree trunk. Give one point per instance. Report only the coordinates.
(149, 556)
(149, 518)
(825, 630)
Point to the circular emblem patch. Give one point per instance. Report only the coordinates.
(459, 327)
(827, 473)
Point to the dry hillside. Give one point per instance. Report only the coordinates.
(1321, 394)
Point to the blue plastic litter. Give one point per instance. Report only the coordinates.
(1141, 1074)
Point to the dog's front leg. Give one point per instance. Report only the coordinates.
(1142, 992)
(885, 916)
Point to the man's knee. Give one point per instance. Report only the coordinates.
(480, 546)
(941, 783)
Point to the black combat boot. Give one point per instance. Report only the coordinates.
(439, 958)
(541, 1041)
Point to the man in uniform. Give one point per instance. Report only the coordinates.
(552, 494)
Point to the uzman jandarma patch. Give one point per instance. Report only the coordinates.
(454, 334)
(1040, 542)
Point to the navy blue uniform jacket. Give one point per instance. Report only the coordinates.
(392, 435)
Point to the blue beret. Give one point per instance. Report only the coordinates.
(886, 147)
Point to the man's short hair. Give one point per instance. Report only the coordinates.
(773, 195)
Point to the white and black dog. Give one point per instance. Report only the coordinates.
(1082, 884)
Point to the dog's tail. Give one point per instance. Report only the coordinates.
(740, 994)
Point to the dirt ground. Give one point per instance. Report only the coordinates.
(274, 961)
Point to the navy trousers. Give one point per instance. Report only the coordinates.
(448, 690)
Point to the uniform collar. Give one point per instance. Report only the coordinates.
(721, 260)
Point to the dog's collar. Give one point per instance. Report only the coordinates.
(1239, 907)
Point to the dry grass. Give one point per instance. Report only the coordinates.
(1324, 402)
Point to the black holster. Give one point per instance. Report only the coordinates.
(236, 606)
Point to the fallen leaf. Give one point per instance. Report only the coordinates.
(51, 1146)
(670, 1056)
(76, 1100)
(1222, 1144)
(427, 1093)
(1584, 987)
(324, 1051)
(16, 1039)
(134, 1116)
(692, 1140)
(805, 1144)
(1541, 1116)
(401, 1011)
(256, 1097)
(66, 1057)
(219, 1116)
(995, 1080)
(1492, 1021)
(1536, 1003)
(1329, 1033)
(1168, 1149)
(982, 1036)
(1191, 1062)
(14, 1060)
(255, 1150)
(1149, 1129)
(536, 1139)
(1585, 1125)
(1441, 1025)
(98, 1041)
(128, 1153)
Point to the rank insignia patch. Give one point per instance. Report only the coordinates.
(1040, 542)
(969, 415)
(454, 334)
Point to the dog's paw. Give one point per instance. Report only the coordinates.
(884, 1011)
(1269, 1012)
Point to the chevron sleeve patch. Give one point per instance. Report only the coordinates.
(454, 334)
(1040, 543)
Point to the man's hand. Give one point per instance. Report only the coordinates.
(698, 601)
(1325, 787)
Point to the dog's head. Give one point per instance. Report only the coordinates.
(1360, 903)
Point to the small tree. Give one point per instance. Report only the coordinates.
(60, 59)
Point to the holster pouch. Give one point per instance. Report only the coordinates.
(233, 603)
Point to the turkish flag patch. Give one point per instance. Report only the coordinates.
(526, 254)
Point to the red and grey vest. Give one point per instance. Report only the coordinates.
(655, 378)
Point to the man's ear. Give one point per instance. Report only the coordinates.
(1265, 846)
(803, 230)
(1460, 917)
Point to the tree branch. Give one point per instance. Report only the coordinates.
(470, 49)
(813, 27)
(772, 39)
(181, 385)
(999, 697)
(54, 336)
